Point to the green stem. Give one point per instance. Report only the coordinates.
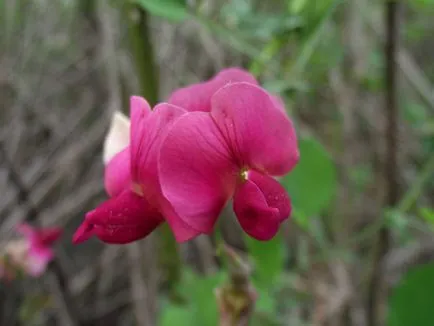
(142, 50)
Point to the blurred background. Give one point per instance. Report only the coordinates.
(357, 79)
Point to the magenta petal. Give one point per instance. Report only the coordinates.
(261, 136)
(273, 192)
(39, 236)
(146, 148)
(197, 97)
(38, 259)
(48, 236)
(181, 230)
(119, 220)
(256, 217)
(117, 176)
(84, 232)
(139, 111)
(197, 174)
(27, 231)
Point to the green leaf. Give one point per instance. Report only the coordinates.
(411, 302)
(176, 315)
(422, 4)
(265, 303)
(313, 182)
(175, 10)
(203, 298)
(268, 258)
(296, 6)
(33, 306)
(428, 215)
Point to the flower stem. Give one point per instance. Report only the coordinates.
(236, 299)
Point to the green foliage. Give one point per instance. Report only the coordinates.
(202, 295)
(313, 182)
(411, 302)
(176, 315)
(422, 4)
(428, 215)
(33, 307)
(201, 303)
(174, 10)
(258, 25)
(296, 6)
(268, 259)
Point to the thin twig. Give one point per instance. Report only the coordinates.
(237, 297)
(376, 287)
(144, 285)
(409, 68)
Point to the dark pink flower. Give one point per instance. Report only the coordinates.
(35, 252)
(136, 206)
(231, 151)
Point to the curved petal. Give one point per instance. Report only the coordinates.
(260, 135)
(39, 237)
(27, 231)
(139, 111)
(146, 140)
(37, 260)
(256, 217)
(117, 174)
(197, 174)
(273, 192)
(181, 230)
(117, 137)
(197, 97)
(123, 219)
(48, 236)
(151, 132)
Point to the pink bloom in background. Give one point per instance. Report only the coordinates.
(136, 206)
(34, 252)
(231, 151)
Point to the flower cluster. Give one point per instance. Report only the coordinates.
(30, 253)
(183, 160)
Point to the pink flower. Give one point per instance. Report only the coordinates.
(136, 206)
(231, 151)
(35, 252)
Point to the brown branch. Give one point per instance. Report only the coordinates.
(144, 283)
(376, 287)
(409, 68)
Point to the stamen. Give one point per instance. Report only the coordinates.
(244, 174)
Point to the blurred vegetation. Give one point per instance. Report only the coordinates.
(65, 66)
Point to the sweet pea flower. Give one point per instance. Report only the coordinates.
(231, 151)
(136, 206)
(33, 252)
(130, 155)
